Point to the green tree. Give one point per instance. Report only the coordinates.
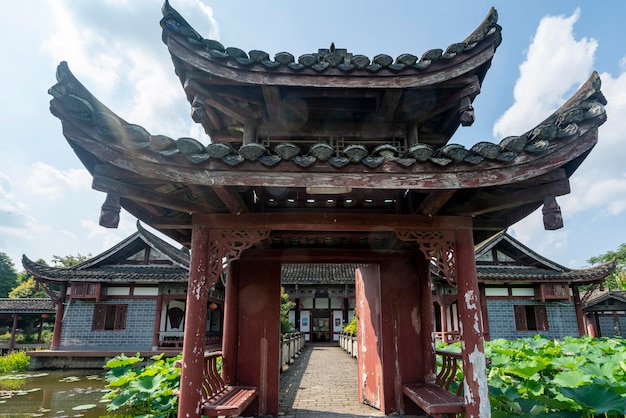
(617, 280)
(27, 289)
(8, 275)
(69, 260)
(285, 306)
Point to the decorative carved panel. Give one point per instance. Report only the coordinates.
(437, 246)
(226, 245)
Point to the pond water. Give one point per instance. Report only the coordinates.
(58, 394)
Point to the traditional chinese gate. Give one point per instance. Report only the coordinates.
(394, 302)
(333, 157)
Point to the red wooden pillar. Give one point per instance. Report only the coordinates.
(157, 323)
(195, 326)
(231, 325)
(483, 305)
(13, 331)
(471, 323)
(580, 316)
(427, 322)
(258, 355)
(395, 344)
(58, 318)
(443, 318)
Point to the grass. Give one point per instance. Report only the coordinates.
(15, 361)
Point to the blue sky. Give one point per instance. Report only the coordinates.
(114, 47)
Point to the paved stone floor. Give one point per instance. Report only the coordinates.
(322, 382)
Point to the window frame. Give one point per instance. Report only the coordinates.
(109, 317)
(523, 318)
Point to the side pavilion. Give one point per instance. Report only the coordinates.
(331, 157)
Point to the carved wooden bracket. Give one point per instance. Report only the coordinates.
(198, 109)
(226, 245)
(552, 217)
(466, 110)
(437, 246)
(110, 211)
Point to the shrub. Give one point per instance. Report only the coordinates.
(14, 361)
(139, 389)
(350, 326)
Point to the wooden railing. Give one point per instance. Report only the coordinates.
(347, 341)
(174, 340)
(290, 346)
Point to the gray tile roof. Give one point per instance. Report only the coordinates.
(325, 59)
(34, 305)
(318, 273)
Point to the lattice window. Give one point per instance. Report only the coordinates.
(86, 290)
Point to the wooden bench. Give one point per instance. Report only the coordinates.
(221, 399)
(436, 399)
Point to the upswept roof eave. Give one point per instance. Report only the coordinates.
(178, 257)
(596, 273)
(489, 243)
(210, 56)
(174, 274)
(75, 106)
(526, 250)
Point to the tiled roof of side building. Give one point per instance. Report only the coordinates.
(31, 305)
(319, 273)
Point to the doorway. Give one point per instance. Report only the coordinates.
(321, 327)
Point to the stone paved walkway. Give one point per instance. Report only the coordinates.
(322, 382)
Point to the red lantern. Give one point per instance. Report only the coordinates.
(213, 306)
(45, 316)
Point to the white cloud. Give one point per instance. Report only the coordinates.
(44, 180)
(86, 51)
(555, 63)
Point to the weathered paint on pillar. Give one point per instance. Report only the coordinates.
(427, 331)
(258, 356)
(580, 316)
(58, 318)
(195, 326)
(231, 325)
(483, 306)
(369, 362)
(395, 331)
(476, 390)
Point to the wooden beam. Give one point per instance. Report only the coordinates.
(139, 194)
(168, 222)
(512, 200)
(389, 104)
(271, 94)
(433, 202)
(364, 130)
(323, 221)
(240, 114)
(231, 199)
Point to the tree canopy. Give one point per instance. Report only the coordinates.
(616, 280)
(8, 275)
(69, 260)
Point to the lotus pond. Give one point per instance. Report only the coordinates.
(53, 394)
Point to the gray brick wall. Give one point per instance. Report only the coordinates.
(78, 335)
(607, 325)
(561, 319)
